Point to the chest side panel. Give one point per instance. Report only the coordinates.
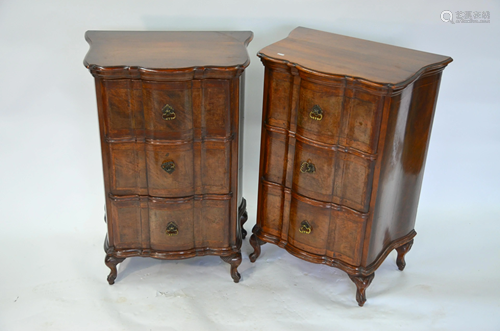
(402, 162)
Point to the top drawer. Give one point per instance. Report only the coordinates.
(332, 114)
(166, 110)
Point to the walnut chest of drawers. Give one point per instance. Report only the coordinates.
(171, 114)
(345, 130)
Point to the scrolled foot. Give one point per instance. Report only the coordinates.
(234, 260)
(111, 262)
(361, 282)
(402, 250)
(256, 243)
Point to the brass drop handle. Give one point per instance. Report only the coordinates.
(168, 113)
(168, 166)
(316, 113)
(307, 167)
(172, 229)
(305, 227)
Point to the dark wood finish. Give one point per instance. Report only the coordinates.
(402, 250)
(170, 113)
(256, 243)
(234, 260)
(345, 130)
(242, 210)
(112, 262)
(362, 283)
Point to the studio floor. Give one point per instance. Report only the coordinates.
(59, 283)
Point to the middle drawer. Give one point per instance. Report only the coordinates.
(170, 169)
(318, 171)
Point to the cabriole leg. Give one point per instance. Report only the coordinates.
(402, 250)
(234, 260)
(243, 219)
(243, 216)
(256, 243)
(362, 282)
(111, 262)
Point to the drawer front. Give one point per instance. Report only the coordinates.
(168, 110)
(170, 169)
(172, 110)
(179, 170)
(314, 171)
(320, 109)
(333, 113)
(324, 174)
(309, 226)
(182, 224)
(171, 224)
(326, 230)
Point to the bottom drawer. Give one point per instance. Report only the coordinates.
(326, 229)
(176, 224)
(319, 228)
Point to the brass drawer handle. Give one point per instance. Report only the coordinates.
(307, 167)
(168, 113)
(168, 166)
(316, 113)
(305, 227)
(172, 229)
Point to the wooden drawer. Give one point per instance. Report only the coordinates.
(323, 173)
(320, 112)
(326, 229)
(170, 110)
(170, 224)
(170, 169)
(327, 113)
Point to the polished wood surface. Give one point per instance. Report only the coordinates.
(170, 113)
(339, 55)
(345, 130)
(168, 49)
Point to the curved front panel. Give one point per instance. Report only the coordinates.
(320, 112)
(170, 224)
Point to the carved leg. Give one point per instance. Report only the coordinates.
(402, 250)
(362, 282)
(256, 243)
(234, 260)
(243, 216)
(243, 219)
(111, 262)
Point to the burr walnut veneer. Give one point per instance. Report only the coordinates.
(345, 130)
(171, 114)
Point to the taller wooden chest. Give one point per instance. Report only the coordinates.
(171, 116)
(345, 130)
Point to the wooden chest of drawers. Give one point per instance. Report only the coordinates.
(345, 131)
(171, 116)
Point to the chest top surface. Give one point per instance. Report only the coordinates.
(167, 49)
(346, 56)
